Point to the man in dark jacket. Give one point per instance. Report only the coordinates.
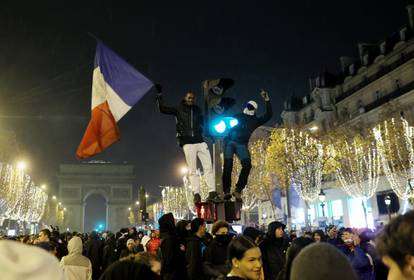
(193, 251)
(215, 258)
(189, 126)
(273, 249)
(171, 268)
(236, 143)
(94, 251)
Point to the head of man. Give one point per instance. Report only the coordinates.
(347, 235)
(332, 232)
(189, 98)
(220, 227)
(130, 244)
(198, 227)
(396, 246)
(44, 235)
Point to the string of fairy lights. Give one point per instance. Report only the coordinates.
(20, 198)
(394, 141)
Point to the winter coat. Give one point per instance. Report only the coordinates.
(360, 262)
(189, 122)
(247, 124)
(194, 258)
(171, 266)
(153, 245)
(94, 251)
(215, 258)
(75, 265)
(273, 252)
(110, 254)
(128, 270)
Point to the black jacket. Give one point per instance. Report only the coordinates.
(94, 251)
(273, 252)
(189, 122)
(128, 270)
(171, 267)
(194, 258)
(215, 258)
(247, 124)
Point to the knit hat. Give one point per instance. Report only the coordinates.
(20, 261)
(130, 241)
(321, 261)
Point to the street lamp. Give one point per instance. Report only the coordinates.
(21, 165)
(322, 198)
(137, 202)
(184, 170)
(54, 197)
(387, 200)
(264, 216)
(43, 187)
(146, 196)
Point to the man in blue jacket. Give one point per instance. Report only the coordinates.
(236, 143)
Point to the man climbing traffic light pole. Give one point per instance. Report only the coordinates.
(189, 126)
(237, 141)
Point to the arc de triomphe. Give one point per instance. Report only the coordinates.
(113, 181)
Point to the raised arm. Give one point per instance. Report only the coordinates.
(269, 112)
(160, 103)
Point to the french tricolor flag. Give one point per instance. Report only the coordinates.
(116, 87)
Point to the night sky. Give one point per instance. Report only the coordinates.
(46, 60)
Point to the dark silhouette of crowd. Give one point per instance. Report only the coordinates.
(186, 250)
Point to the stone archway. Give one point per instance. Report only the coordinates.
(113, 181)
(88, 208)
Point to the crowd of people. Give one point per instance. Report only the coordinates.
(187, 250)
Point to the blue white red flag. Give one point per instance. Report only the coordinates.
(116, 87)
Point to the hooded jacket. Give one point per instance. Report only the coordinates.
(128, 270)
(215, 257)
(247, 124)
(273, 251)
(75, 265)
(189, 121)
(171, 268)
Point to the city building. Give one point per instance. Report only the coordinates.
(377, 85)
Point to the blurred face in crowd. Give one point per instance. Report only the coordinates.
(130, 246)
(316, 237)
(156, 267)
(250, 266)
(279, 232)
(222, 231)
(189, 99)
(43, 237)
(346, 236)
(332, 233)
(395, 272)
(202, 229)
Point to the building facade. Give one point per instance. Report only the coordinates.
(377, 85)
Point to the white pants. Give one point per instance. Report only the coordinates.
(200, 150)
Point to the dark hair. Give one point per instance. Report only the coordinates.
(218, 225)
(196, 224)
(238, 246)
(320, 233)
(47, 232)
(396, 240)
(348, 230)
(294, 249)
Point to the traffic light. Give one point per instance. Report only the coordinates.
(214, 95)
(216, 106)
(221, 126)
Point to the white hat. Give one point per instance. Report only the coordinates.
(130, 241)
(249, 112)
(19, 261)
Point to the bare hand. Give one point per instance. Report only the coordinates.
(265, 95)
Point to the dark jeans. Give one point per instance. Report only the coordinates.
(242, 152)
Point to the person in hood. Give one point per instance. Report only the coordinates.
(215, 257)
(75, 265)
(189, 126)
(128, 269)
(236, 144)
(20, 261)
(255, 234)
(153, 243)
(171, 267)
(273, 249)
(94, 251)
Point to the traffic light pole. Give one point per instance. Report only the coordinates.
(217, 164)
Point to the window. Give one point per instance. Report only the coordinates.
(377, 95)
(336, 209)
(357, 214)
(311, 213)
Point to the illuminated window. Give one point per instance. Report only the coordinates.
(337, 209)
(357, 215)
(311, 213)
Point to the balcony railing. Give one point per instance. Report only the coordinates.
(383, 71)
(396, 93)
